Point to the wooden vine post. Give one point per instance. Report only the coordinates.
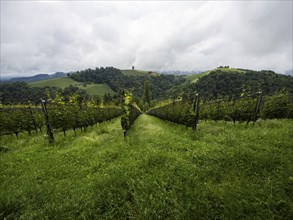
(196, 109)
(48, 126)
(257, 108)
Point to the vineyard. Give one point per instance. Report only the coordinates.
(61, 118)
(246, 109)
(58, 116)
(90, 168)
(187, 111)
(161, 171)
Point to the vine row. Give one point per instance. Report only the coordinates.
(245, 109)
(61, 118)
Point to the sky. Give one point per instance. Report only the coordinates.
(51, 36)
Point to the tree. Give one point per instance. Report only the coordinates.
(147, 95)
(107, 99)
(98, 100)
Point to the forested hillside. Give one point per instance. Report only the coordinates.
(22, 93)
(160, 84)
(219, 83)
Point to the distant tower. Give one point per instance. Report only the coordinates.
(132, 67)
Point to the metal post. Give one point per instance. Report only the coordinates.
(48, 126)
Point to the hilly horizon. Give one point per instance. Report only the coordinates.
(191, 75)
(222, 81)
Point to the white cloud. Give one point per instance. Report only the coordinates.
(39, 37)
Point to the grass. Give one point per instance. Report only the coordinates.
(91, 89)
(59, 82)
(161, 171)
(194, 77)
(97, 89)
(138, 73)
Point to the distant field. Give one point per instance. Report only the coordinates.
(92, 89)
(97, 89)
(59, 82)
(137, 73)
(194, 77)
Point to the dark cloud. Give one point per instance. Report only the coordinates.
(40, 37)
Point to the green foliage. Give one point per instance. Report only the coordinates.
(162, 171)
(131, 112)
(62, 116)
(194, 77)
(161, 84)
(65, 117)
(279, 105)
(107, 99)
(242, 109)
(20, 119)
(178, 112)
(220, 83)
(147, 93)
(21, 93)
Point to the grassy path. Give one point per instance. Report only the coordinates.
(162, 171)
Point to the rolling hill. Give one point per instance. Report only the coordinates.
(38, 77)
(194, 77)
(91, 89)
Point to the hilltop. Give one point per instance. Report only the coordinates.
(194, 77)
(232, 83)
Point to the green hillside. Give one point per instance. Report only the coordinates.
(91, 89)
(59, 82)
(194, 77)
(161, 171)
(138, 73)
(97, 89)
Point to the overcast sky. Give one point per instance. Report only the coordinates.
(46, 37)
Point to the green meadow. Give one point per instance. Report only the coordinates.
(59, 82)
(91, 89)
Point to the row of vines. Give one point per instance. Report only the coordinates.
(61, 118)
(131, 112)
(245, 109)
